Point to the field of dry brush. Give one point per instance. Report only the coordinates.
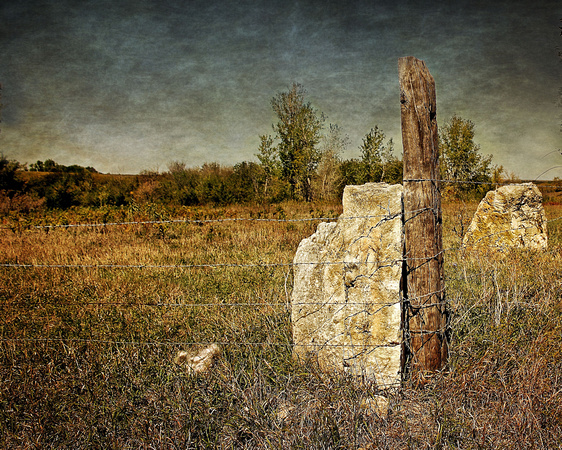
(87, 342)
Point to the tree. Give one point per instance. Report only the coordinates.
(460, 158)
(8, 174)
(298, 131)
(182, 184)
(376, 155)
(268, 160)
(37, 167)
(245, 182)
(333, 145)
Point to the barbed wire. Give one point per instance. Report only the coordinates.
(250, 219)
(205, 221)
(202, 343)
(259, 264)
(222, 304)
(205, 265)
(494, 183)
(173, 221)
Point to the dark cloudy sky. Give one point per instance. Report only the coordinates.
(130, 85)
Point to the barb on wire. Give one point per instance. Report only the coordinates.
(427, 332)
(204, 221)
(425, 305)
(180, 343)
(248, 265)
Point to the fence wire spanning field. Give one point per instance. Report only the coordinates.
(93, 315)
(181, 302)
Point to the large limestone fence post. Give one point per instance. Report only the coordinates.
(346, 305)
(424, 308)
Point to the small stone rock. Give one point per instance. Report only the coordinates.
(200, 362)
(284, 410)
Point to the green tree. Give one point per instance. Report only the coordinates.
(64, 190)
(460, 158)
(245, 182)
(37, 167)
(298, 131)
(8, 174)
(50, 166)
(376, 155)
(182, 184)
(269, 161)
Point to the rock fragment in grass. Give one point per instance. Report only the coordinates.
(284, 411)
(198, 363)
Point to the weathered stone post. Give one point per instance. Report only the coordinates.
(510, 216)
(424, 308)
(345, 307)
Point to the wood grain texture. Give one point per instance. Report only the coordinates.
(425, 314)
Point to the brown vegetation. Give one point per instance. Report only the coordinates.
(86, 352)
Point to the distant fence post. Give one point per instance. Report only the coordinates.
(424, 309)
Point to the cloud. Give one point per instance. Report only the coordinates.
(137, 82)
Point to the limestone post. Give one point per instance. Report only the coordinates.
(424, 308)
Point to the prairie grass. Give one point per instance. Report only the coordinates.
(86, 353)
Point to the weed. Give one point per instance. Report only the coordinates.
(87, 354)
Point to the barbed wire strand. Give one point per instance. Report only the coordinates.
(202, 221)
(222, 304)
(205, 343)
(252, 265)
(492, 183)
(240, 219)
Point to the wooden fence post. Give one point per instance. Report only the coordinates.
(424, 309)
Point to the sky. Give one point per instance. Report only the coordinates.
(127, 86)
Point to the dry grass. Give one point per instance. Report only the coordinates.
(105, 378)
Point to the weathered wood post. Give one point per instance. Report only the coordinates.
(424, 308)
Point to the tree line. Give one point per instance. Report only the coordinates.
(310, 163)
(301, 160)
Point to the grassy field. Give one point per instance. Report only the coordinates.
(86, 353)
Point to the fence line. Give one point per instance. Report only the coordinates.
(203, 221)
(194, 221)
(480, 183)
(225, 265)
(178, 343)
(262, 264)
(210, 305)
(200, 266)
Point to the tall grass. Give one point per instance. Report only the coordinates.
(86, 357)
